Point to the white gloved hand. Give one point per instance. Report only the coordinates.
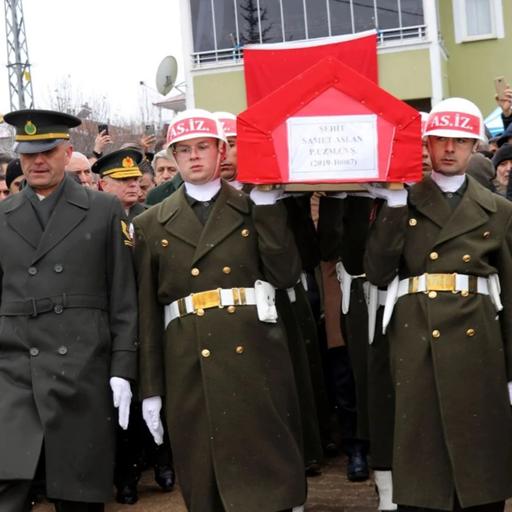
(338, 195)
(122, 396)
(510, 392)
(151, 408)
(394, 198)
(265, 197)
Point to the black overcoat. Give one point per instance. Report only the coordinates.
(55, 366)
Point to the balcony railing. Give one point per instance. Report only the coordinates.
(233, 56)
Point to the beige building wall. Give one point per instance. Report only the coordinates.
(220, 90)
(472, 66)
(406, 74)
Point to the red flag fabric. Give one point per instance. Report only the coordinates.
(329, 124)
(268, 66)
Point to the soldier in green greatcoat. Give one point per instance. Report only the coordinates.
(208, 258)
(443, 251)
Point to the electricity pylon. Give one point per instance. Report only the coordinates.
(20, 80)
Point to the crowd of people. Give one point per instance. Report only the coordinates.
(156, 312)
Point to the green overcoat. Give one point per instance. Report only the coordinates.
(450, 353)
(228, 383)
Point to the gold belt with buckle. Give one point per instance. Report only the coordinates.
(211, 299)
(441, 283)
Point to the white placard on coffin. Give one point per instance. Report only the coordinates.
(332, 147)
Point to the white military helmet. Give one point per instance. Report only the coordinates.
(192, 124)
(424, 119)
(228, 121)
(455, 117)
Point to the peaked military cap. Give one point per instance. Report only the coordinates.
(119, 164)
(40, 130)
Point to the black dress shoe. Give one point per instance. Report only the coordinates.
(331, 449)
(127, 494)
(357, 467)
(165, 478)
(313, 468)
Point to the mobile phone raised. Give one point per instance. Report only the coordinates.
(501, 85)
(103, 127)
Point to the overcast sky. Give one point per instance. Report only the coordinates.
(106, 47)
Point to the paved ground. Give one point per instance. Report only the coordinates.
(330, 492)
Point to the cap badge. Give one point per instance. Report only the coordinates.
(128, 162)
(30, 128)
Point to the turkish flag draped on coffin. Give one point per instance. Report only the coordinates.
(268, 66)
(329, 124)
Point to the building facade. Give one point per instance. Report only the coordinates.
(427, 49)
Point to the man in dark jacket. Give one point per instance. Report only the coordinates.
(67, 325)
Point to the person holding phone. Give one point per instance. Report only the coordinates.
(101, 141)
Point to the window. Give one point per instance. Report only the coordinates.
(293, 20)
(221, 28)
(202, 25)
(475, 20)
(341, 18)
(317, 18)
(225, 24)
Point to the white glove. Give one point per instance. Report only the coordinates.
(394, 198)
(510, 392)
(151, 408)
(122, 396)
(264, 197)
(338, 195)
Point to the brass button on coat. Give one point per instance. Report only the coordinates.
(433, 256)
(239, 349)
(432, 294)
(245, 232)
(226, 270)
(195, 272)
(231, 309)
(32, 271)
(200, 312)
(413, 222)
(58, 308)
(58, 268)
(466, 258)
(464, 293)
(34, 351)
(205, 352)
(436, 333)
(164, 242)
(470, 332)
(486, 234)
(62, 350)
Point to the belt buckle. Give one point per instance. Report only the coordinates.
(40, 306)
(440, 282)
(239, 298)
(205, 300)
(182, 307)
(413, 284)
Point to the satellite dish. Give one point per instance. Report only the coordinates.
(166, 75)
